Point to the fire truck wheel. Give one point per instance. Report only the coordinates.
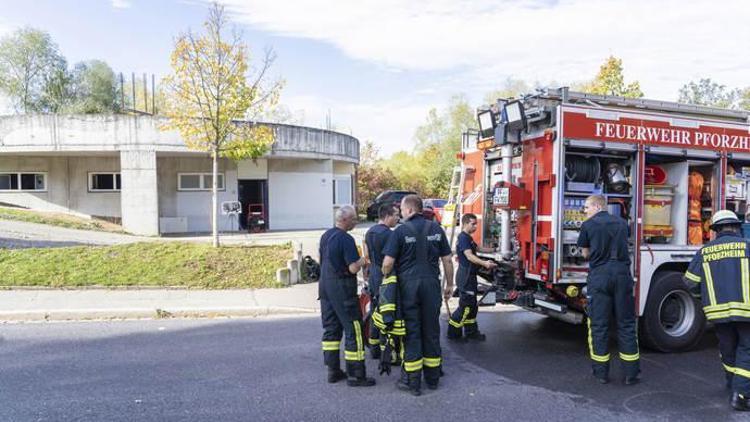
(673, 320)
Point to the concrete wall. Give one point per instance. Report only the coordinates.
(51, 132)
(300, 194)
(252, 169)
(307, 142)
(67, 185)
(299, 168)
(101, 132)
(341, 168)
(195, 207)
(139, 196)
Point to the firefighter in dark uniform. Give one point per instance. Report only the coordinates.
(720, 273)
(375, 240)
(465, 316)
(604, 239)
(416, 247)
(339, 305)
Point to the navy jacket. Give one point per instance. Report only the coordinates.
(721, 271)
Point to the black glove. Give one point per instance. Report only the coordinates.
(385, 357)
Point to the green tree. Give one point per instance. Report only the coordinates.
(709, 93)
(283, 114)
(744, 100)
(511, 88)
(29, 61)
(372, 176)
(94, 88)
(209, 97)
(427, 170)
(56, 93)
(611, 81)
(407, 170)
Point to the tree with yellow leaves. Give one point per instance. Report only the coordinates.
(211, 97)
(610, 81)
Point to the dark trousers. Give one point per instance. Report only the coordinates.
(373, 283)
(465, 316)
(339, 309)
(421, 299)
(610, 292)
(734, 345)
(374, 334)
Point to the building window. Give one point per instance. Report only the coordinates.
(198, 181)
(23, 182)
(104, 182)
(342, 190)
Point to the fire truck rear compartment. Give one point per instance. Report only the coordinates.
(658, 167)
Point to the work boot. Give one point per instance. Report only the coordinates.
(600, 372)
(335, 375)
(432, 377)
(356, 375)
(739, 402)
(600, 376)
(632, 380)
(411, 382)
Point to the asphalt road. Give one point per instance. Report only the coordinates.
(547, 353)
(271, 369)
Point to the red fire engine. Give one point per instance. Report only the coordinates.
(664, 167)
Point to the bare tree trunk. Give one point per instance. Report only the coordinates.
(215, 198)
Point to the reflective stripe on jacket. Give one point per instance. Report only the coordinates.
(721, 271)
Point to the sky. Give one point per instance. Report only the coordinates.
(378, 66)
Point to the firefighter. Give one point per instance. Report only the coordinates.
(465, 316)
(375, 239)
(720, 274)
(604, 241)
(339, 305)
(416, 247)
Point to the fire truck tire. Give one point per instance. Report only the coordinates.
(673, 320)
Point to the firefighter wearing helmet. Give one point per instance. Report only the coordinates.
(720, 274)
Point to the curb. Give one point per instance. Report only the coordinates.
(147, 313)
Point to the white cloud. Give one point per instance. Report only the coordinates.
(663, 43)
(475, 45)
(121, 4)
(390, 125)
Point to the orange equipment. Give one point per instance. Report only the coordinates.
(695, 189)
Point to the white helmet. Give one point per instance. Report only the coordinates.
(724, 217)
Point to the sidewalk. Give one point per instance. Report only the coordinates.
(59, 305)
(20, 234)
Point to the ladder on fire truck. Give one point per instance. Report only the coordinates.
(455, 202)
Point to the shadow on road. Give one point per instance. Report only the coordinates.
(548, 353)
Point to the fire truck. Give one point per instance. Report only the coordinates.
(664, 167)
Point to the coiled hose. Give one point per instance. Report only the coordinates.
(582, 169)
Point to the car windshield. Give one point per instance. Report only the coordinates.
(382, 196)
(438, 203)
(400, 195)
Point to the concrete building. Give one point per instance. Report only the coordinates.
(124, 168)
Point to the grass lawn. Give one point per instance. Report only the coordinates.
(58, 219)
(166, 264)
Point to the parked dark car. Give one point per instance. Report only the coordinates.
(387, 197)
(433, 209)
